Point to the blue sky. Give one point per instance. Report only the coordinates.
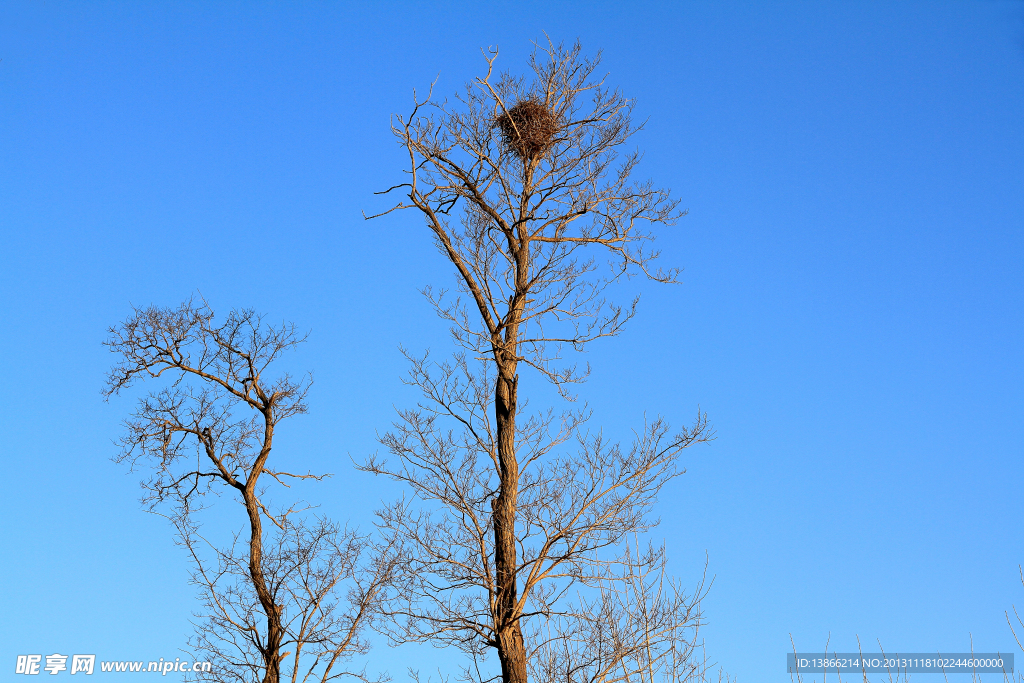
(850, 313)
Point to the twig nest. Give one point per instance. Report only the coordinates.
(527, 128)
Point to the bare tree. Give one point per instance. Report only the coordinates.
(1020, 622)
(522, 548)
(285, 603)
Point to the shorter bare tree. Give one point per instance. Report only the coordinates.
(288, 602)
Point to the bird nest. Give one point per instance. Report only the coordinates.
(528, 128)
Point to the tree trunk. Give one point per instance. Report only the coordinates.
(511, 650)
(272, 646)
(275, 631)
(509, 636)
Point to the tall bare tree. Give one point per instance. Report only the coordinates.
(285, 603)
(523, 549)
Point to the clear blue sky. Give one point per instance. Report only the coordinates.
(850, 315)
